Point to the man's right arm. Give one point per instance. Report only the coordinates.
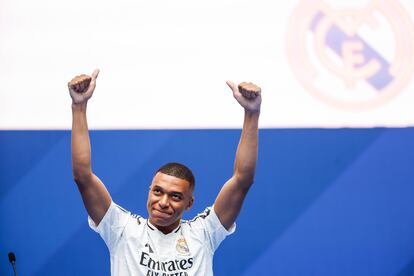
(95, 196)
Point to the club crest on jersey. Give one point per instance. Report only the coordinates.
(352, 55)
(182, 247)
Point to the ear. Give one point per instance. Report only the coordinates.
(190, 204)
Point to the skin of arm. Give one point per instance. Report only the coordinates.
(95, 196)
(230, 199)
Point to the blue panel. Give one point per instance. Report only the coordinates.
(324, 202)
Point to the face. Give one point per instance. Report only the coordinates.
(168, 198)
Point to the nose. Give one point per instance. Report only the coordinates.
(163, 202)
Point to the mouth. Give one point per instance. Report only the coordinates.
(160, 214)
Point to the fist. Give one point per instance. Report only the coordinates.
(248, 95)
(249, 90)
(81, 87)
(80, 84)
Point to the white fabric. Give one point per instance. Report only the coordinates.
(138, 248)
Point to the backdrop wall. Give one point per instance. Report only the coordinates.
(332, 201)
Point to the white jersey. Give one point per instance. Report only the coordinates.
(137, 247)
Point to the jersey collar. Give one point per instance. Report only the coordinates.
(154, 228)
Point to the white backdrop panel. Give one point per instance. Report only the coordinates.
(164, 63)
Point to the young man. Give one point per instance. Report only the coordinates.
(163, 244)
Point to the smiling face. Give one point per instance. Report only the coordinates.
(168, 198)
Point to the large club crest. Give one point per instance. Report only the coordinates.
(352, 58)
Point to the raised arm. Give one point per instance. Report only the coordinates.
(94, 194)
(230, 199)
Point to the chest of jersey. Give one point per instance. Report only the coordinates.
(181, 252)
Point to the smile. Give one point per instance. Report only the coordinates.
(159, 213)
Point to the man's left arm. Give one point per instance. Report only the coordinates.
(230, 199)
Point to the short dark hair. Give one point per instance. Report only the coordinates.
(180, 171)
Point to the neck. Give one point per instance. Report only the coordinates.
(166, 229)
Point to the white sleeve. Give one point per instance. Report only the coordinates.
(112, 224)
(211, 224)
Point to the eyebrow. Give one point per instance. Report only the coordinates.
(177, 193)
(171, 193)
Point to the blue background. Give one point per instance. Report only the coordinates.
(324, 202)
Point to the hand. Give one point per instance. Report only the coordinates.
(81, 87)
(249, 101)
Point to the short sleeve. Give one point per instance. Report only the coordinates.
(112, 224)
(215, 231)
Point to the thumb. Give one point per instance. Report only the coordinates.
(95, 74)
(232, 86)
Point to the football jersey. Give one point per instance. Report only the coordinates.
(137, 247)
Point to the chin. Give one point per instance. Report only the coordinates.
(161, 222)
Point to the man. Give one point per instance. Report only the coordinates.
(163, 244)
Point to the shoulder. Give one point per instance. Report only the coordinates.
(203, 219)
(140, 220)
(209, 220)
(203, 215)
(119, 213)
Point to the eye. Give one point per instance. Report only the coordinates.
(157, 191)
(176, 197)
